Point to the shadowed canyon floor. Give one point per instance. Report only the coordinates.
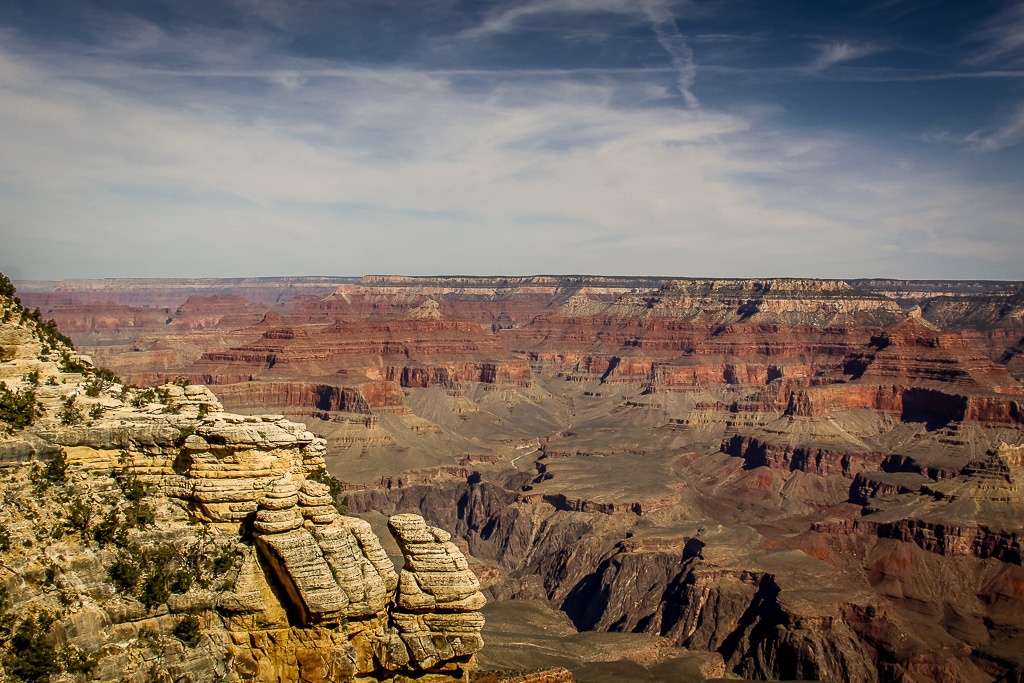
(653, 479)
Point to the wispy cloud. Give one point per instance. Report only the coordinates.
(545, 175)
(1002, 37)
(674, 43)
(1010, 133)
(658, 13)
(219, 151)
(508, 19)
(841, 51)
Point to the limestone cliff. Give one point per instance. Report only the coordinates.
(149, 535)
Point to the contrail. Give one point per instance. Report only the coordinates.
(674, 43)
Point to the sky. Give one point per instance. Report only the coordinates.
(730, 138)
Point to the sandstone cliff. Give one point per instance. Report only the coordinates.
(148, 533)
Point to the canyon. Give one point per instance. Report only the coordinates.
(648, 478)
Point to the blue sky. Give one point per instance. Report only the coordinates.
(728, 138)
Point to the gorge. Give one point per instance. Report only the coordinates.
(648, 478)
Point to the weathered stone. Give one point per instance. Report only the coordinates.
(299, 566)
(438, 597)
(366, 589)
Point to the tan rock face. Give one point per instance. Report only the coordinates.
(247, 571)
(439, 598)
(333, 568)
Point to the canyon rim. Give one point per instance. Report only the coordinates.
(604, 478)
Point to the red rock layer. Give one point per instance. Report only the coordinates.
(922, 374)
(815, 460)
(416, 353)
(357, 399)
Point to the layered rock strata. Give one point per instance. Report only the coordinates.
(439, 598)
(182, 525)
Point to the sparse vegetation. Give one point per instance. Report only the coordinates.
(18, 409)
(322, 476)
(188, 630)
(69, 413)
(185, 431)
(30, 656)
(152, 574)
(143, 397)
(6, 286)
(108, 530)
(100, 379)
(56, 470)
(125, 572)
(72, 365)
(49, 335)
(79, 516)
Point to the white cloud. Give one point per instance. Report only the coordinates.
(1002, 38)
(659, 14)
(841, 51)
(401, 171)
(1010, 133)
(674, 43)
(506, 20)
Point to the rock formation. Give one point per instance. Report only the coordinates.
(151, 521)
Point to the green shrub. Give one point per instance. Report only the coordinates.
(18, 409)
(143, 397)
(75, 661)
(133, 489)
(71, 365)
(69, 413)
(56, 470)
(150, 574)
(139, 515)
(7, 287)
(33, 378)
(79, 515)
(334, 484)
(101, 379)
(125, 572)
(96, 412)
(47, 332)
(223, 561)
(106, 376)
(188, 630)
(29, 656)
(106, 531)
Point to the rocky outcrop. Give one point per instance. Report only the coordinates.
(439, 598)
(976, 513)
(921, 373)
(822, 461)
(185, 539)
